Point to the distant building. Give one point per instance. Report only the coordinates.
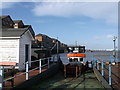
(15, 42)
(44, 45)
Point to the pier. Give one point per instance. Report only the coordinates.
(48, 75)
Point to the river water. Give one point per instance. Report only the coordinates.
(103, 55)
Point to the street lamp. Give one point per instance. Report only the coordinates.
(114, 51)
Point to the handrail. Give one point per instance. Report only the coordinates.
(109, 69)
(40, 66)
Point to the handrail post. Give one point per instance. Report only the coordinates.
(97, 65)
(40, 66)
(1, 77)
(53, 58)
(110, 72)
(27, 74)
(48, 62)
(102, 68)
(95, 62)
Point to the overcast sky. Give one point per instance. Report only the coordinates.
(92, 24)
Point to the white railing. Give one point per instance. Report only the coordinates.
(27, 71)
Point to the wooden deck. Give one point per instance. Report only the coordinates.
(84, 81)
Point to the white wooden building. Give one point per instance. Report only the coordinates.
(15, 46)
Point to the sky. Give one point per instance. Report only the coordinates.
(92, 24)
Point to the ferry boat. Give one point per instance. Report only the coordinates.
(76, 64)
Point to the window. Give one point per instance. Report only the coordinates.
(81, 59)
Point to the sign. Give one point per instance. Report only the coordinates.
(9, 51)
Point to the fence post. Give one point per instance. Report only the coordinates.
(110, 72)
(1, 77)
(102, 68)
(40, 66)
(97, 65)
(48, 62)
(27, 76)
(95, 62)
(53, 58)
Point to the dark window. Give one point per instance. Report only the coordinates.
(81, 59)
(75, 59)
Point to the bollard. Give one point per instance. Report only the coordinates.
(102, 68)
(27, 76)
(40, 68)
(48, 62)
(1, 77)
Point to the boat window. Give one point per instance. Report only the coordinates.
(70, 59)
(81, 59)
(75, 59)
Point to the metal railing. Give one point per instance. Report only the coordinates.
(97, 63)
(27, 71)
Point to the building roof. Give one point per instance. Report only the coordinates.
(12, 33)
(17, 21)
(41, 34)
(3, 16)
(16, 32)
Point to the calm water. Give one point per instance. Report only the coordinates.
(103, 55)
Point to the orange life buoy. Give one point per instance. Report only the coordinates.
(76, 55)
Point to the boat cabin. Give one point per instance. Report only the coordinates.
(76, 57)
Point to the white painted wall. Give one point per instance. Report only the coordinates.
(9, 50)
(25, 39)
(13, 49)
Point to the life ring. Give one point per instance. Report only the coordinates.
(76, 55)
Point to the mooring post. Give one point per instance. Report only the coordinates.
(40, 66)
(1, 77)
(48, 62)
(102, 68)
(27, 68)
(110, 71)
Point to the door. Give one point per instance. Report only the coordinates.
(26, 53)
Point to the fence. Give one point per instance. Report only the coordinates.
(38, 69)
(107, 70)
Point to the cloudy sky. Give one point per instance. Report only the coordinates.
(92, 24)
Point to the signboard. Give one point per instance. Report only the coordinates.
(9, 51)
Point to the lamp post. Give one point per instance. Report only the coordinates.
(114, 51)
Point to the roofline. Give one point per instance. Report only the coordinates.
(11, 37)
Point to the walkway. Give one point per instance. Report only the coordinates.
(87, 80)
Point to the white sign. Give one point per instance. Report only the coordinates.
(9, 50)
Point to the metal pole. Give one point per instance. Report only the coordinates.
(40, 69)
(102, 68)
(114, 52)
(48, 62)
(53, 58)
(27, 74)
(110, 72)
(1, 77)
(57, 48)
(97, 65)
